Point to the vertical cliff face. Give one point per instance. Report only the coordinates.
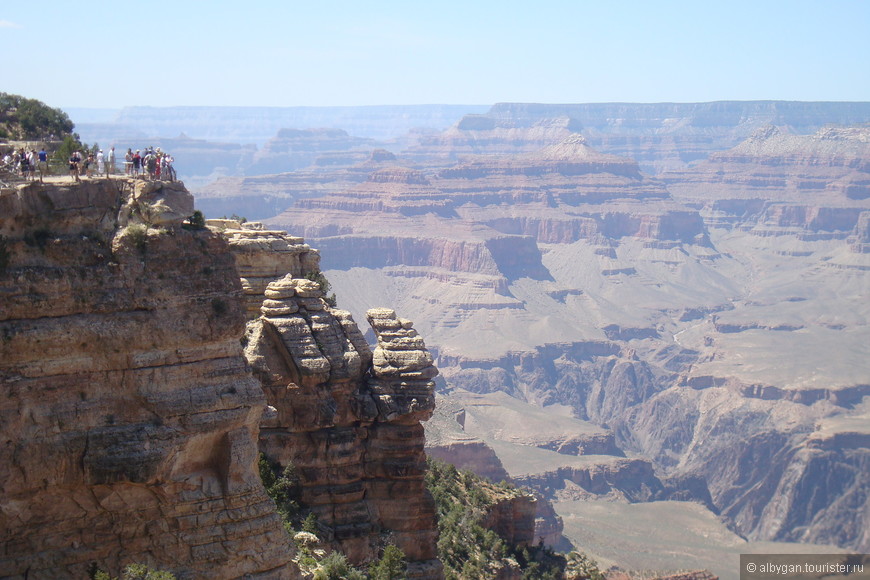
(347, 418)
(128, 418)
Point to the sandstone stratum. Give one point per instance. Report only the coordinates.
(132, 420)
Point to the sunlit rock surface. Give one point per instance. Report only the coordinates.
(129, 416)
(347, 417)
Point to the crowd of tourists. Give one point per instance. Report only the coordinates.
(153, 164)
(81, 164)
(26, 163)
(150, 164)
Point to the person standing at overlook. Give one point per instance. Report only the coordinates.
(42, 163)
(150, 163)
(110, 161)
(101, 162)
(24, 163)
(74, 166)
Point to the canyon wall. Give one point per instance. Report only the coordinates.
(346, 417)
(129, 417)
(659, 309)
(131, 421)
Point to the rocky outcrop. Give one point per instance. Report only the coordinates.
(471, 454)
(491, 254)
(264, 255)
(859, 241)
(349, 420)
(447, 441)
(629, 479)
(549, 526)
(129, 417)
(561, 194)
(513, 519)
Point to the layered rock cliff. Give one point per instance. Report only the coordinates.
(129, 417)
(671, 136)
(777, 183)
(642, 311)
(347, 418)
(132, 423)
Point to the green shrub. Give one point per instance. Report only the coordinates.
(582, 567)
(325, 287)
(70, 144)
(336, 567)
(284, 487)
(140, 572)
(195, 222)
(131, 572)
(391, 566)
(137, 235)
(309, 524)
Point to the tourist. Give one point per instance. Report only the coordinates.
(110, 161)
(101, 162)
(128, 162)
(79, 161)
(42, 163)
(23, 163)
(137, 163)
(32, 160)
(74, 166)
(168, 172)
(150, 162)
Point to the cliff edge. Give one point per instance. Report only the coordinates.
(129, 419)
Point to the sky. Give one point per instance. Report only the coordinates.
(312, 53)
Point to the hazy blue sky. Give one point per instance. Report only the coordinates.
(287, 53)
